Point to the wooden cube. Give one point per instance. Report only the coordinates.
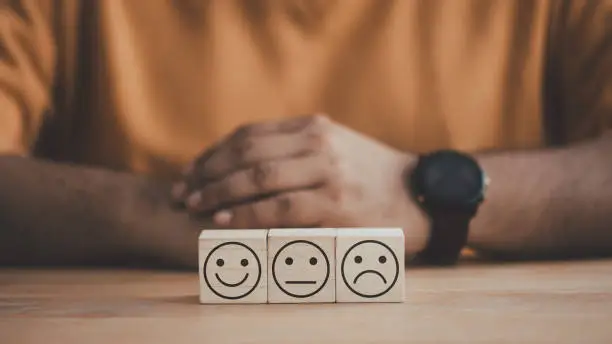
(370, 265)
(233, 266)
(301, 265)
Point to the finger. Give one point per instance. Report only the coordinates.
(180, 189)
(307, 208)
(259, 180)
(232, 155)
(251, 143)
(265, 140)
(240, 154)
(280, 126)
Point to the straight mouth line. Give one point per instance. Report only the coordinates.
(301, 282)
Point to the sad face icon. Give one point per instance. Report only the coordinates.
(369, 268)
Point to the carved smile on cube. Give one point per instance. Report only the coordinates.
(232, 284)
(236, 270)
(300, 268)
(369, 268)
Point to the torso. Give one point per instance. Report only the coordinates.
(174, 76)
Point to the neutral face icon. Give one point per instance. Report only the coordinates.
(229, 268)
(369, 268)
(300, 268)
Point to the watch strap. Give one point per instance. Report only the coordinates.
(448, 236)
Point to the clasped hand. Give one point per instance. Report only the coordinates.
(300, 172)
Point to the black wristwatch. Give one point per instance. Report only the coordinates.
(449, 186)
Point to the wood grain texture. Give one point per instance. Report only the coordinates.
(560, 302)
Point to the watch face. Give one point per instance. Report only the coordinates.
(448, 178)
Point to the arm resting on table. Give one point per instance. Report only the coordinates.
(61, 214)
(548, 203)
(558, 202)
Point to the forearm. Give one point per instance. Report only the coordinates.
(60, 214)
(547, 203)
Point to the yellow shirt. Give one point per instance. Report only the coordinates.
(145, 86)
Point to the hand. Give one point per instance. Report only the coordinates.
(301, 172)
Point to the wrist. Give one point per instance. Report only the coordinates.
(491, 231)
(417, 231)
(414, 220)
(151, 231)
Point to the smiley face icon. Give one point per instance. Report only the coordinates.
(232, 270)
(370, 268)
(301, 268)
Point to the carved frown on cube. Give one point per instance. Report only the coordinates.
(370, 265)
(370, 268)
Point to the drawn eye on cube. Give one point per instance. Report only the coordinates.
(232, 266)
(302, 265)
(370, 265)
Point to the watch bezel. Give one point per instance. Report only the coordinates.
(425, 197)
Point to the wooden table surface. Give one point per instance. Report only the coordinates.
(560, 302)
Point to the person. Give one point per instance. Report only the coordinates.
(126, 128)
